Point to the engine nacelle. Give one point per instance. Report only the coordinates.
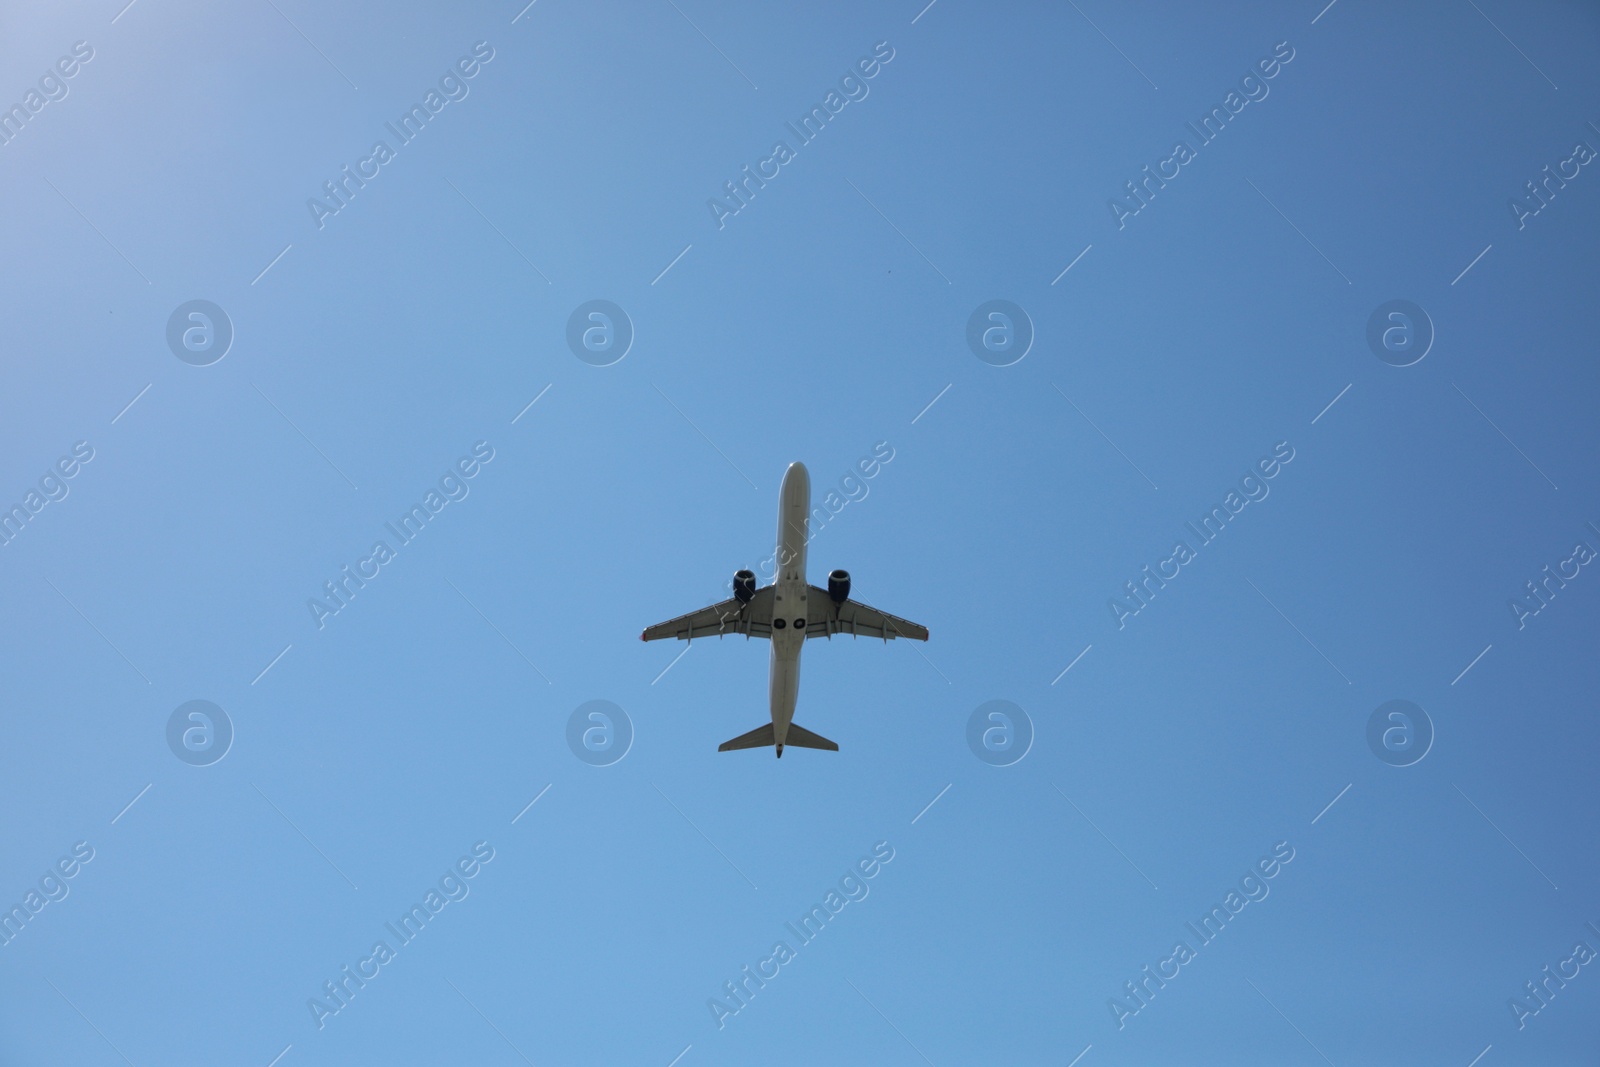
(744, 586)
(839, 586)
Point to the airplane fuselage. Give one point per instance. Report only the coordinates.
(789, 607)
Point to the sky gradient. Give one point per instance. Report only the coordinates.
(1186, 335)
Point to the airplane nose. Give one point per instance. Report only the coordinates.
(798, 478)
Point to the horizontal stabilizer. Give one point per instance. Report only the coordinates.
(800, 737)
(760, 737)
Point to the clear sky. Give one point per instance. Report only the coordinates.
(1198, 349)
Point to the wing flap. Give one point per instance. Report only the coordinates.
(726, 619)
(853, 618)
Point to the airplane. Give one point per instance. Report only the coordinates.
(789, 612)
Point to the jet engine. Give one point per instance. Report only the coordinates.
(839, 586)
(744, 585)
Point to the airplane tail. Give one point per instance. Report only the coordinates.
(800, 737)
(760, 737)
(763, 736)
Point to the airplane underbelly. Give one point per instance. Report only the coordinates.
(792, 542)
(789, 607)
(784, 686)
(794, 506)
(790, 611)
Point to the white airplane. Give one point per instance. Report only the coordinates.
(789, 611)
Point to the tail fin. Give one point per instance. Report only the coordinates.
(800, 737)
(760, 737)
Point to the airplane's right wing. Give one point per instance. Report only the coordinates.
(719, 620)
(826, 618)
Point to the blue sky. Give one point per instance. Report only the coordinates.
(1222, 324)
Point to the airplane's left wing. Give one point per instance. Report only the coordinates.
(825, 618)
(719, 620)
